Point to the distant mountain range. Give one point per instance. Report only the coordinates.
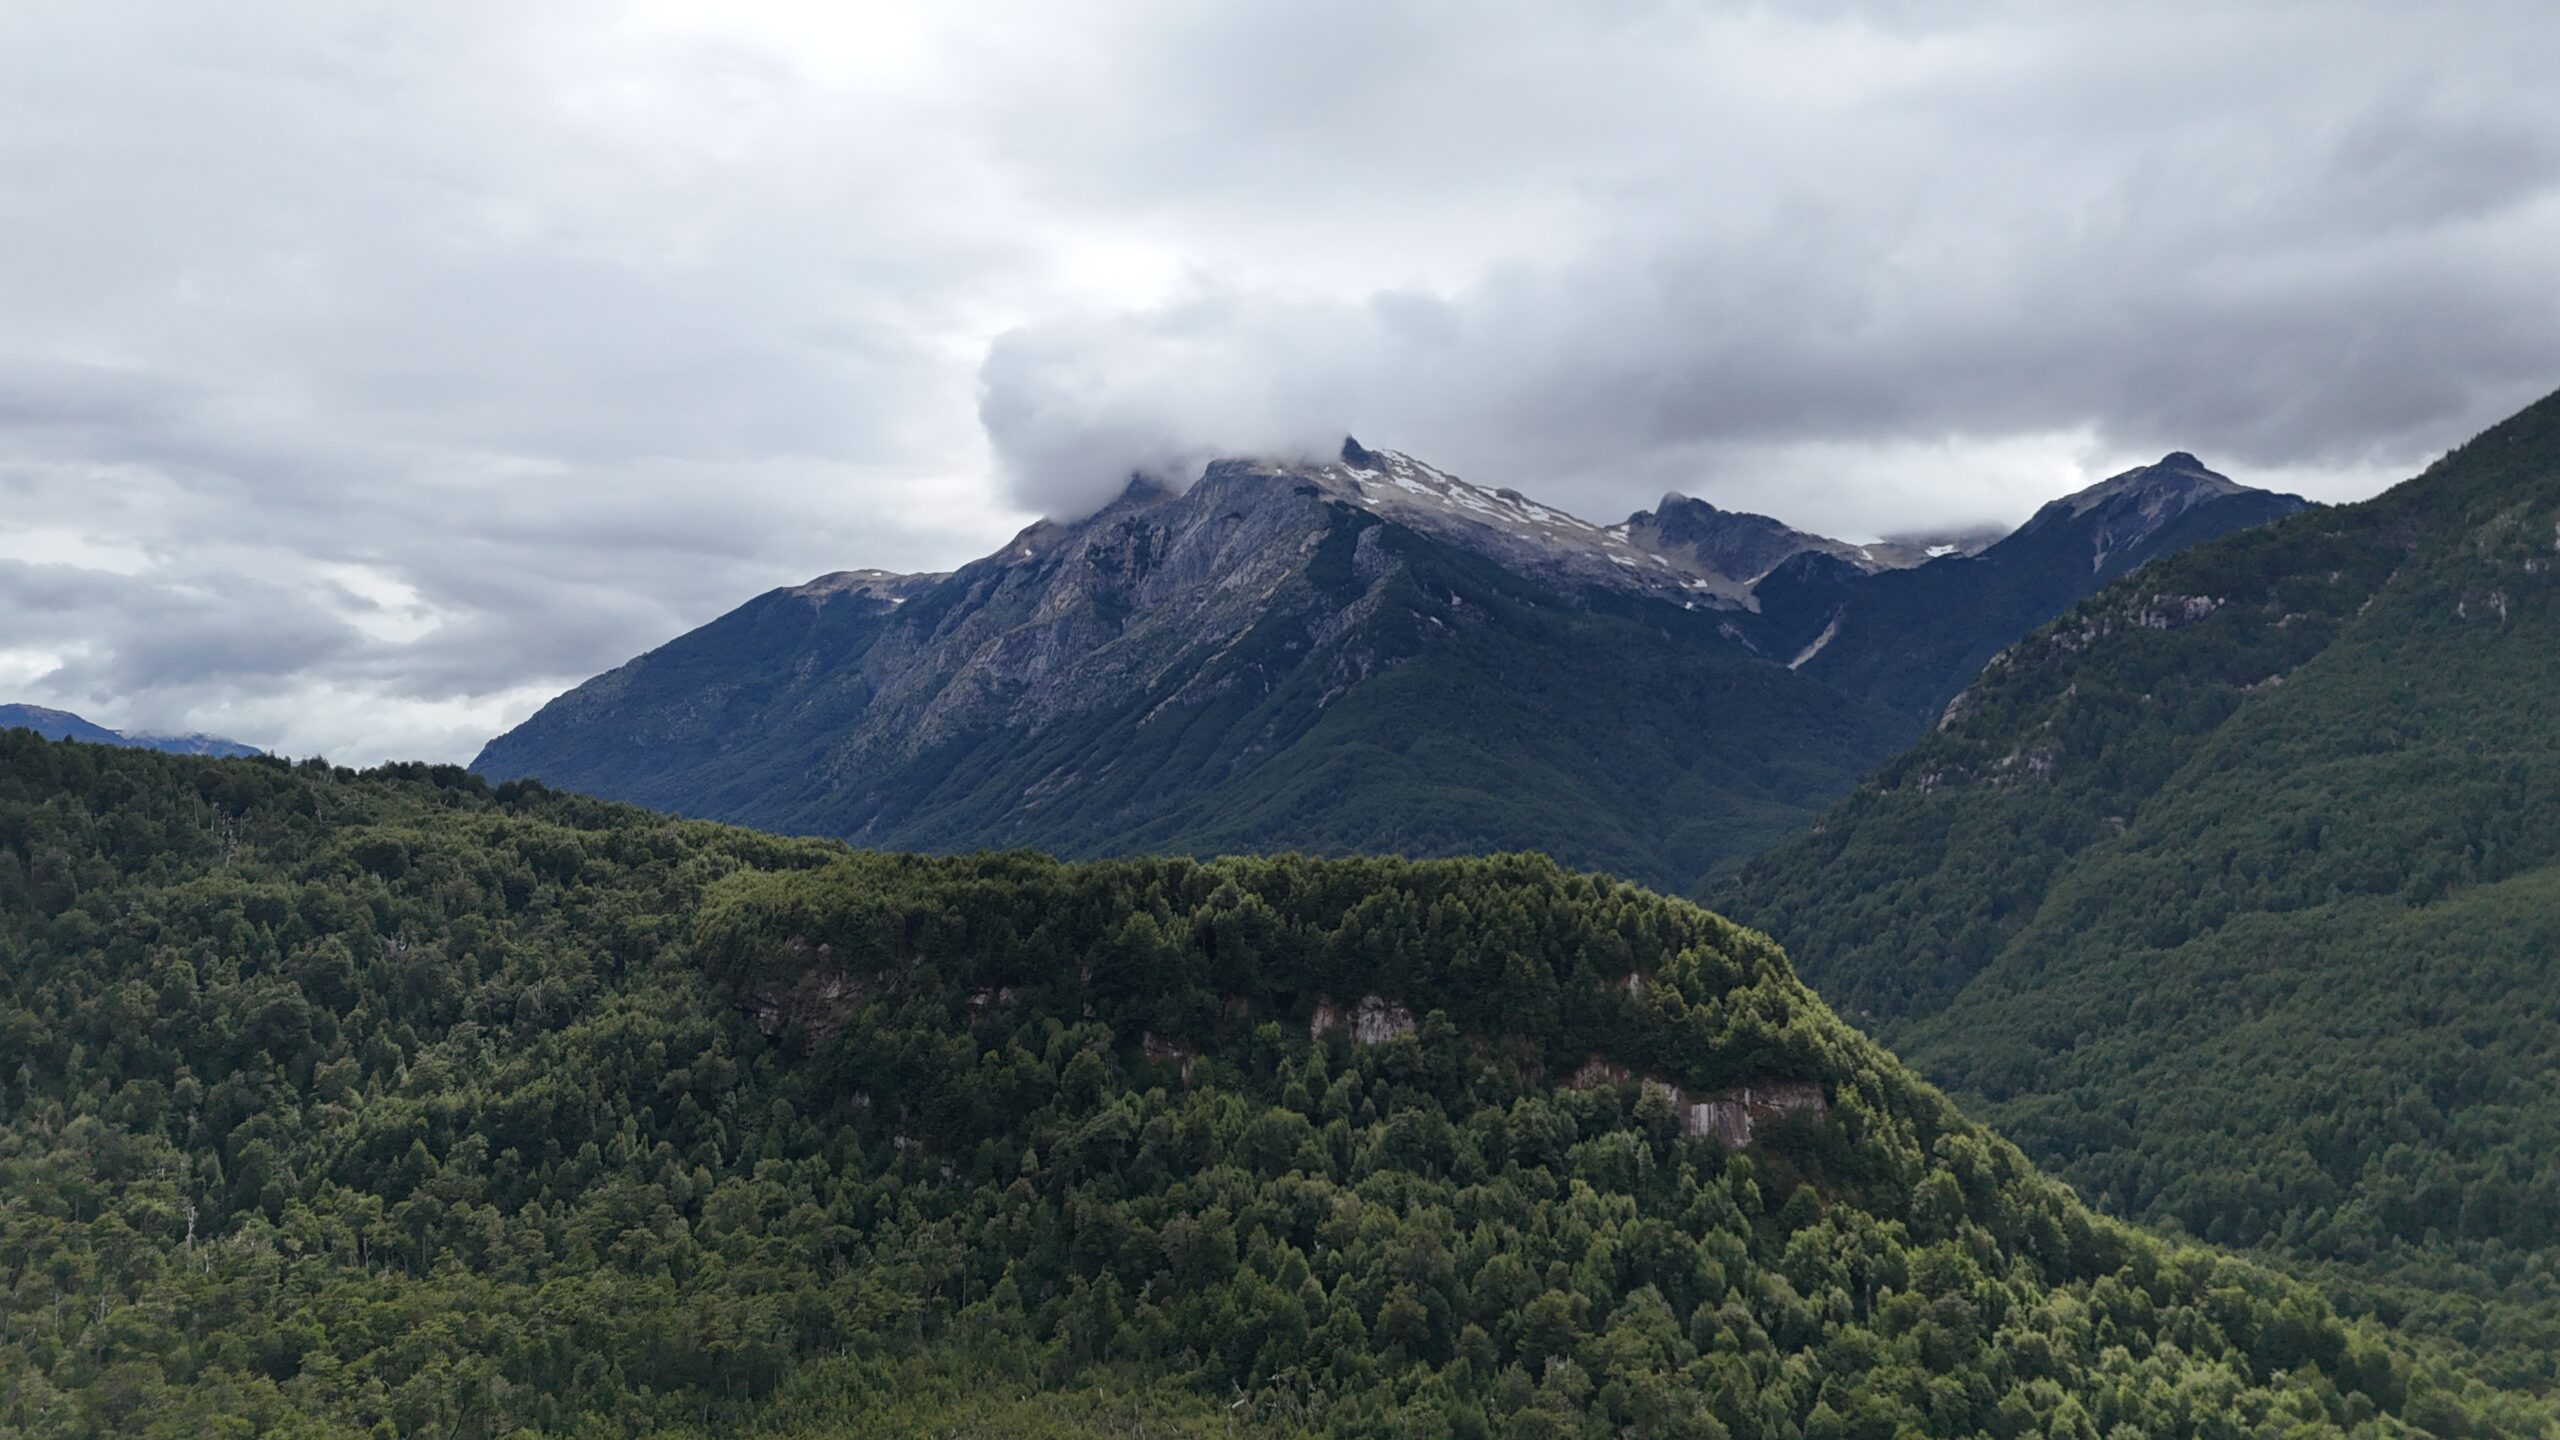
(63, 725)
(1364, 654)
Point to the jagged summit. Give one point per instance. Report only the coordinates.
(1685, 550)
(1743, 546)
(2123, 512)
(1522, 533)
(2176, 482)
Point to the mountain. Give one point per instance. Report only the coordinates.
(1745, 548)
(1361, 655)
(63, 725)
(1909, 638)
(392, 1104)
(2230, 894)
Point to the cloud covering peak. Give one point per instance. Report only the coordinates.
(374, 371)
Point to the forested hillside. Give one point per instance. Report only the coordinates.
(350, 1104)
(2235, 894)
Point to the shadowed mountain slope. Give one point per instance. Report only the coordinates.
(2231, 891)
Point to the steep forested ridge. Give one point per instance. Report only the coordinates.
(2232, 893)
(390, 1104)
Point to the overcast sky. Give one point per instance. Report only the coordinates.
(371, 372)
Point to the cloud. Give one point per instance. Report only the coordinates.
(371, 372)
(2229, 230)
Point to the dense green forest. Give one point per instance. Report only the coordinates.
(342, 1104)
(2234, 896)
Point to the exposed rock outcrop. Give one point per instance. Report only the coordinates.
(1739, 1114)
(1374, 1021)
(806, 997)
(1735, 1116)
(1168, 1052)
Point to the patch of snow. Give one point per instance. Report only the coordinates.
(1935, 551)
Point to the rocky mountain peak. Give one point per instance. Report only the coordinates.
(1745, 548)
(2175, 482)
(2125, 510)
(1521, 533)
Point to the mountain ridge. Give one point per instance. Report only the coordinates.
(1910, 638)
(2227, 892)
(1358, 654)
(63, 725)
(1255, 662)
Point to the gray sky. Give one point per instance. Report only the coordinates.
(371, 372)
